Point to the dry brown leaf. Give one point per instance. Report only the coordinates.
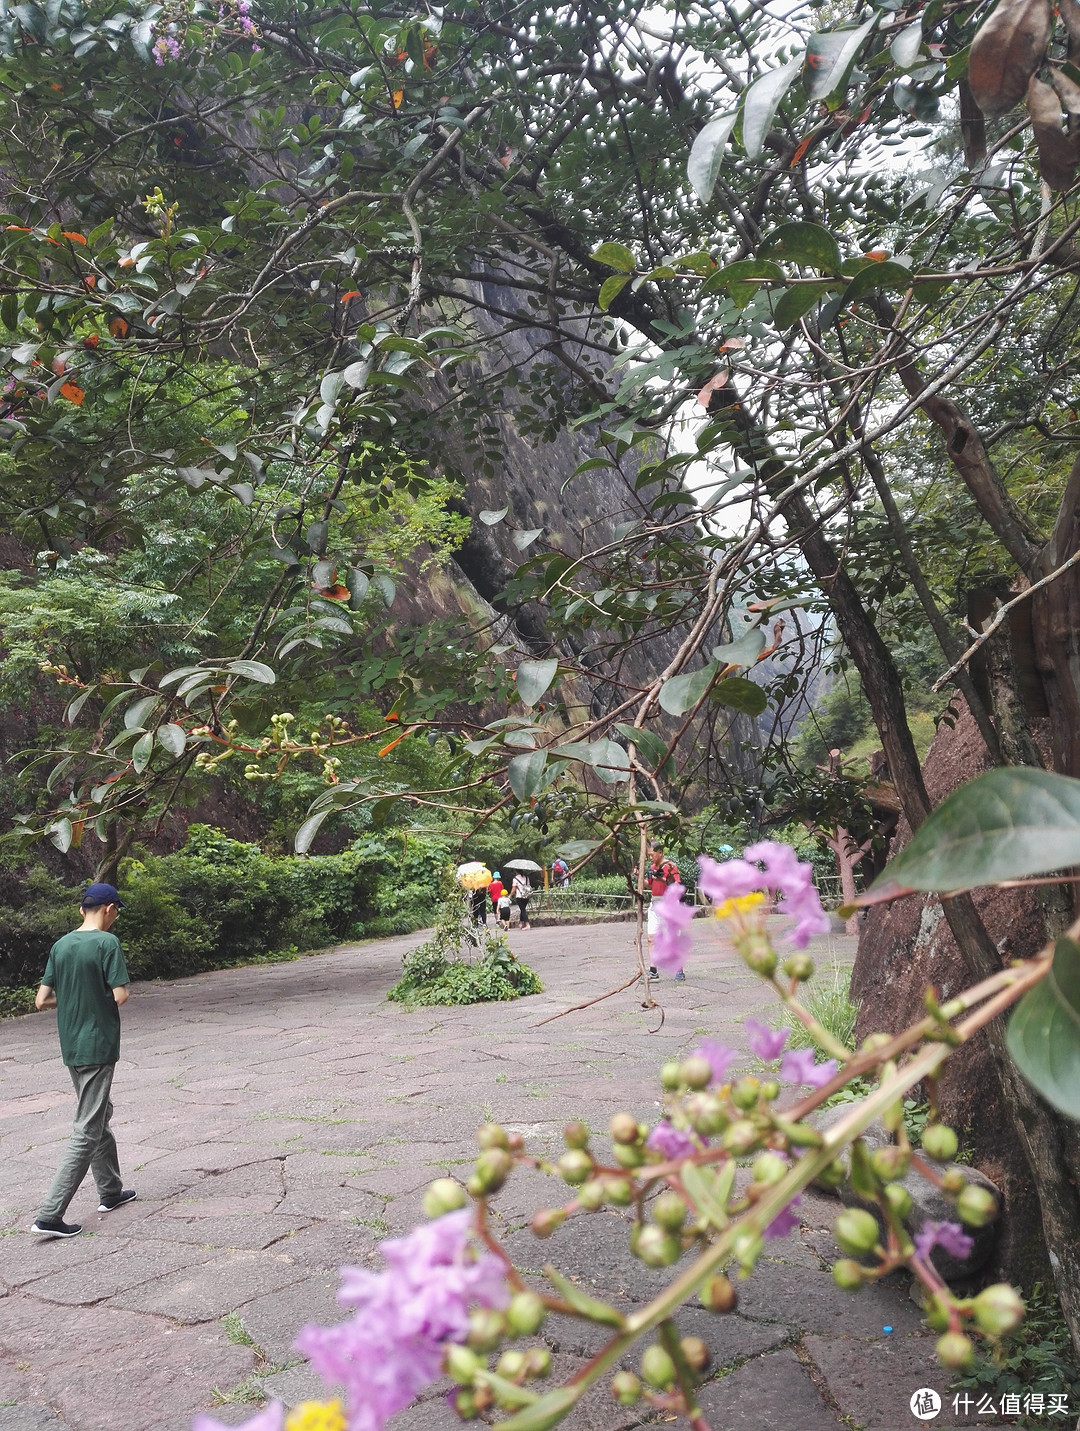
(1069, 10)
(1057, 152)
(1007, 50)
(1068, 90)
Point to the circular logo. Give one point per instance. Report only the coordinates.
(925, 1403)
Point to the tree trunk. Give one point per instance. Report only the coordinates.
(1050, 1142)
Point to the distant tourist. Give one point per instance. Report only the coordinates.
(503, 909)
(560, 873)
(479, 905)
(495, 889)
(660, 873)
(86, 981)
(521, 889)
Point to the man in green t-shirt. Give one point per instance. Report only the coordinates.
(85, 981)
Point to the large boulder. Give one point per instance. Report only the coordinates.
(907, 945)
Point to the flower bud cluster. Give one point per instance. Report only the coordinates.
(481, 1385)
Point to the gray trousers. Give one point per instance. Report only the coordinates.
(91, 1146)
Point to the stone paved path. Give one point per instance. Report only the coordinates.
(279, 1121)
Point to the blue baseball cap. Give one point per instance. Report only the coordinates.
(99, 894)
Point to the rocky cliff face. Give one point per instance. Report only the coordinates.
(906, 946)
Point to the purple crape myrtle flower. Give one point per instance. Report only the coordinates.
(799, 1067)
(670, 1142)
(785, 1221)
(393, 1345)
(730, 880)
(767, 1043)
(271, 1418)
(793, 881)
(671, 942)
(949, 1236)
(717, 1056)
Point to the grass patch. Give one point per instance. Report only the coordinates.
(829, 1003)
(235, 1331)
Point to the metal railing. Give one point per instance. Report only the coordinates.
(568, 900)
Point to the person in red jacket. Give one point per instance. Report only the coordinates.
(495, 889)
(660, 873)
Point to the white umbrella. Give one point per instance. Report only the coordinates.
(470, 868)
(523, 865)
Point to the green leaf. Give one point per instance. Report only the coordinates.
(141, 752)
(77, 704)
(490, 517)
(534, 678)
(525, 539)
(581, 1302)
(61, 834)
(1005, 824)
(701, 1187)
(652, 749)
(682, 693)
(9, 311)
(610, 761)
(829, 58)
(874, 276)
(739, 694)
(760, 103)
(807, 244)
(385, 587)
(615, 255)
(905, 48)
(172, 738)
(510, 1395)
(252, 671)
(358, 583)
(575, 849)
(707, 155)
(744, 651)
(797, 301)
(526, 774)
(739, 279)
(135, 715)
(1044, 1032)
(307, 831)
(611, 288)
(542, 1415)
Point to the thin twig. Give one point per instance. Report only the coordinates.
(588, 1003)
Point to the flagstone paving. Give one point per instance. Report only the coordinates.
(279, 1121)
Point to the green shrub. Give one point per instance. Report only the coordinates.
(218, 903)
(437, 971)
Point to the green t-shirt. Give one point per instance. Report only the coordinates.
(83, 969)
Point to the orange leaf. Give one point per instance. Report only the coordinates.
(879, 255)
(126, 262)
(18, 228)
(388, 748)
(352, 293)
(73, 393)
(392, 716)
(91, 341)
(59, 87)
(90, 281)
(715, 383)
(800, 153)
(75, 238)
(397, 97)
(118, 328)
(334, 593)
